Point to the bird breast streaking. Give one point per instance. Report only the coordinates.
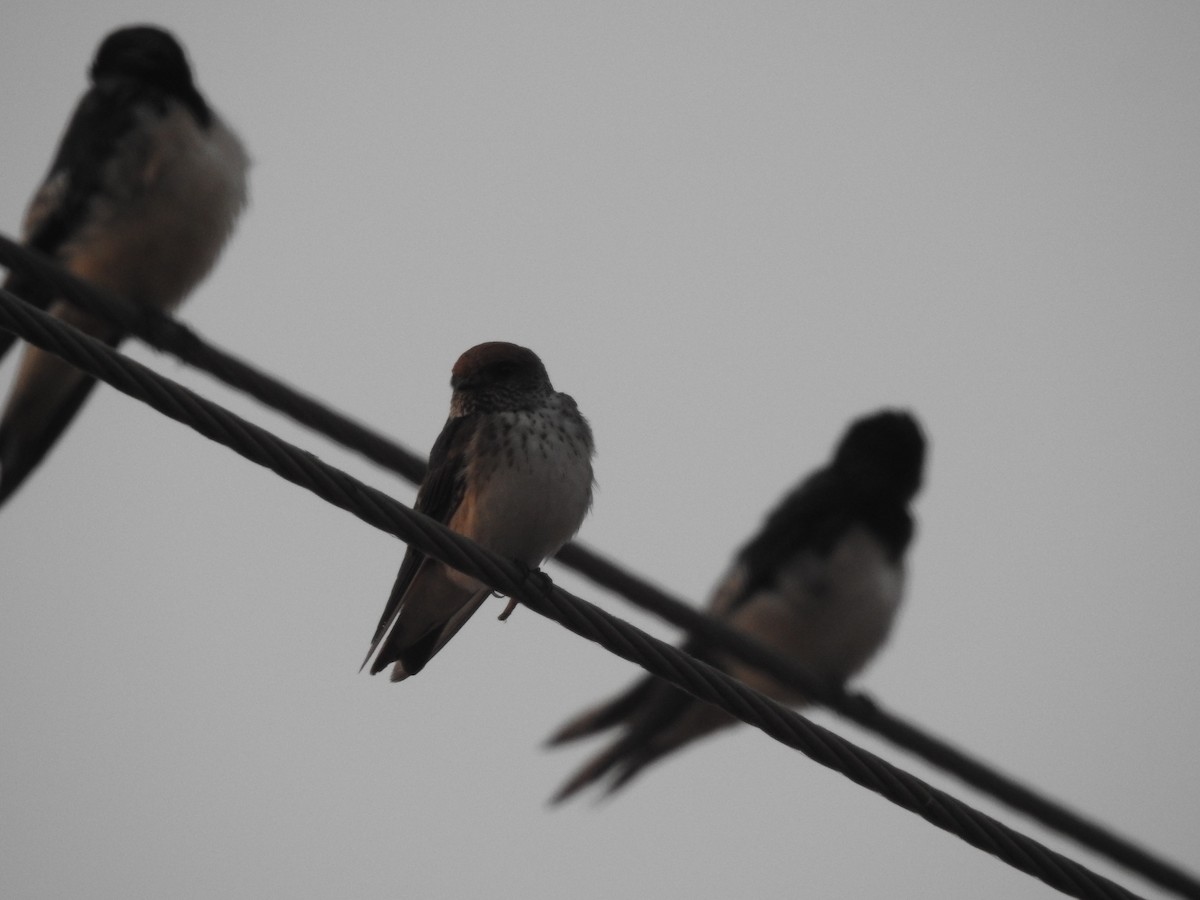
(512, 470)
(819, 584)
(141, 196)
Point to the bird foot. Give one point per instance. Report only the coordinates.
(530, 572)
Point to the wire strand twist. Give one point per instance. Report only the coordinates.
(577, 615)
(166, 333)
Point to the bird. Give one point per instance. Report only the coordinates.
(142, 194)
(512, 470)
(820, 584)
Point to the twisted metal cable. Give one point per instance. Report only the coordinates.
(588, 621)
(166, 333)
(868, 713)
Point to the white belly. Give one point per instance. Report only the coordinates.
(534, 497)
(829, 616)
(183, 189)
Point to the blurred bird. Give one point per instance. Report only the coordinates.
(819, 584)
(512, 470)
(141, 196)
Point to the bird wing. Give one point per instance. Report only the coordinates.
(812, 517)
(104, 117)
(59, 208)
(440, 493)
(46, 395)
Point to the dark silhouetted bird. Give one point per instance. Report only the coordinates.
(139, 200)
(512, 470)
(819, 584)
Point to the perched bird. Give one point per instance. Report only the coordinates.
(512, 470)
(819, 584)
(141, 196)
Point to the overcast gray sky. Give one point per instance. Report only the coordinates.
(727, 229)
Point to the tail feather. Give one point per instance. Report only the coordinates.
(46, 394)
(635, 761)
(604, 716)
(415, 661)
(415, 653)
(595, 769)
(428, 610)
(32, 426)
(31, 291)
(659, 719)
(7, 338)
(650, 739)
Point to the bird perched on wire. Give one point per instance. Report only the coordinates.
(819, 584)
(512, 470)
(140, 198)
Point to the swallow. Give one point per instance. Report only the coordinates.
(819, 584)
(512, 470)
(141, 195)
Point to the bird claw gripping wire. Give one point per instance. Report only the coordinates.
(530, 572)
(512, 604)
